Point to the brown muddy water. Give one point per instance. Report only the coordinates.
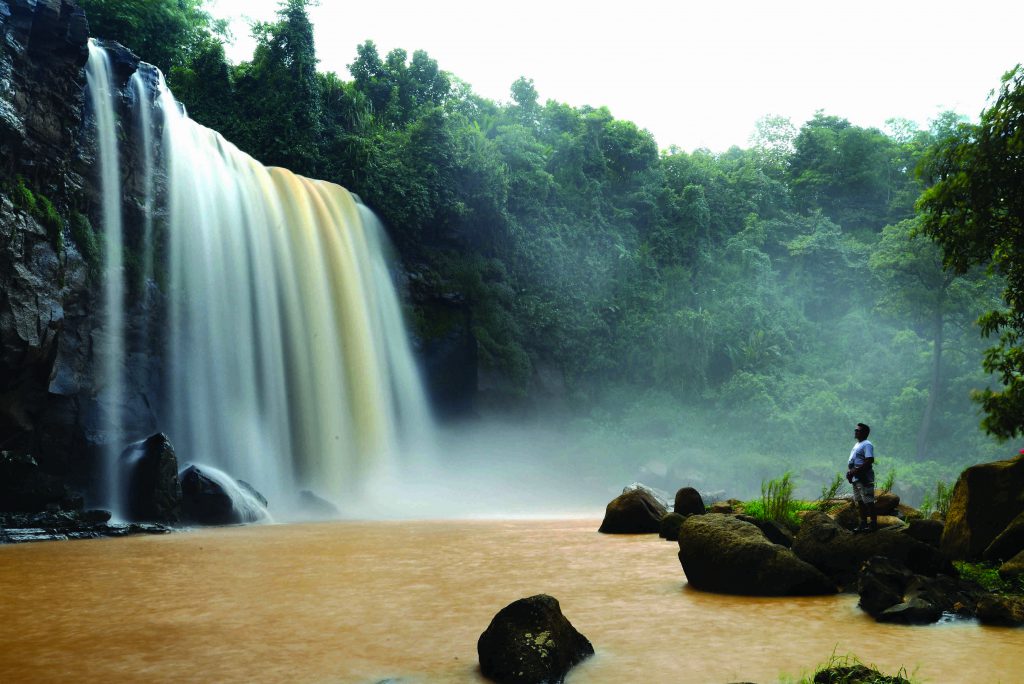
(362, 602)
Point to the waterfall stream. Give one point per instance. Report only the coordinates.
(287, 362)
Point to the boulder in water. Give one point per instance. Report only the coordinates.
(529, 641)
(212, 497)
(722, 554)
(689, 502)
(670, 525)
(1001, 611)
(150, 481)
(775, 532)
(316, 507)
(890, 592)
(635, 511)
(986, 499)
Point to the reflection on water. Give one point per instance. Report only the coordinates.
(361, 602)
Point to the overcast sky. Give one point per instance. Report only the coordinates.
(695, 74)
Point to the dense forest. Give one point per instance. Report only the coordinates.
(728, 313)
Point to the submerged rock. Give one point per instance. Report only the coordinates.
(64, 525)
(636, 511)
(722, 554)
(891, 592)
(529, 641)
(150, 473)
(212, 497)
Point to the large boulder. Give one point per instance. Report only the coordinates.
(212, 497)
(529, 641)
(1001, 611)
(670, 525)
(152, 489)
(1009, 543)
(986, 498)
(25, 488)
(890, 592)
(722, 554)
(1012, 568)
(635, 511)
(775, 532)
(923, 530)
(839, 553)
(688, 502)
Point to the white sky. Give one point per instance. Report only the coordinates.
(694, 73)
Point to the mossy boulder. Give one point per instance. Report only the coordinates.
(985, 500)
(839, 553)
(722, 554)
(636, 511)
(1012, 568)
(530, 641)
(670, 525)
(1008, 543)
(1001, 611)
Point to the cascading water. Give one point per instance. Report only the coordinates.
(287, 360)
(112, 349)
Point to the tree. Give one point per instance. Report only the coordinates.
(166, 33)
(975, 211)
(915, 286)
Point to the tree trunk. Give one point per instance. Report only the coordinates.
(933, 390)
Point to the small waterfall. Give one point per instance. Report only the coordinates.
(112, 351)
(287, 361)
(144, 132)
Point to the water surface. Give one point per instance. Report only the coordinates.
(365, 601)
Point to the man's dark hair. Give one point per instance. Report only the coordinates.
(865, 428)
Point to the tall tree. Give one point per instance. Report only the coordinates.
(975, 211)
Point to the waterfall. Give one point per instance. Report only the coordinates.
(287, 361)
(112, 348)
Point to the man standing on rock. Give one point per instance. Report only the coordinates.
(861, 474)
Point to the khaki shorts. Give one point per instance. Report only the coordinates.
(864, 492)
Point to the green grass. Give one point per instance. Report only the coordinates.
(987, 575)
(777, 502)
(848, 669)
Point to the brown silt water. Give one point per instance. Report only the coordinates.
(368, 601)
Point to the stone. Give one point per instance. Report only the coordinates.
(211, 497)
(688, 501)
(881, 584)
(722, 554)
(636, 511)
(1008, 543)
(316, 507)
(986, 498)
(670, 525)
(916, 611)
(1001, 611)
(1012, 568)
(722, 508)
(927, 531)
(886, 503)
(150, 476)
(839, 553)
(530, 641)
(775, 532)
(25, 488)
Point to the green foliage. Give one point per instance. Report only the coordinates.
(889, 482)
(48, 215)
(22, 197)
(777, 498)
(848, 669)
(85, 240)
(830, 492)
(987, 575)
(938, 501)
(975, 212)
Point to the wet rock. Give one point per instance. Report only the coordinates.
(636, 511)
(775, 532)
(881, 584)
(723, 554)
(1009, 543)
(25, 488)
(688, 502)
(839, 553)
(1012, 568)
(670, 525)
(211, 497)
(723, 507)
(529, 641)
(890, 592)
(916, 611)
(1001, 611)
(886, 503)
(316, 507)
(927, 531)
(849, 517)
(68, 525)
(986, 498)
(152, 489)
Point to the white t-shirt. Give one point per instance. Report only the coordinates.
(862, 451)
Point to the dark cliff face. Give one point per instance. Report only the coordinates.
(50, 327)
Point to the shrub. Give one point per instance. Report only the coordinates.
(830, 492)
(22, 197)
(939, 501)
(987, 575)
(85, 239)
(889, 481)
